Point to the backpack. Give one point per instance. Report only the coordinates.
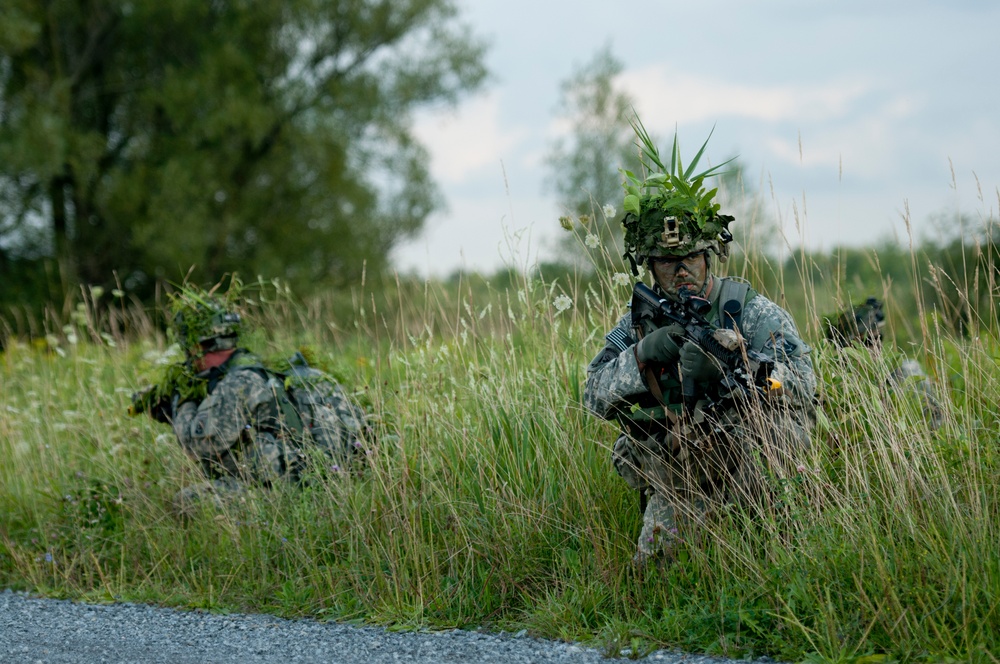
(311, 407)
(328, 416)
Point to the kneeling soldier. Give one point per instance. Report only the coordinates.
(710, 380)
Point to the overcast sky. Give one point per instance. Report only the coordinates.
(848, 111)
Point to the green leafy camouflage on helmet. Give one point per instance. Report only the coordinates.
(669, 212)
(862, 323)
(202, 321)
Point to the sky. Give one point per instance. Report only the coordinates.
(849, 117)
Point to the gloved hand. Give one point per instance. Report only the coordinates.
(166, 409)
(698, 365)
(660, 345)
(162, 411)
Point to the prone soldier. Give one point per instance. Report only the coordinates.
(242, 422)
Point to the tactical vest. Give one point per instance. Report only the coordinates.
(648, 413)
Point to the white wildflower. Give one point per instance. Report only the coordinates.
(620, 279)
(592, 241)
(609, 211)
(562, 303)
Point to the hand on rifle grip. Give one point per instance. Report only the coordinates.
(660, 345)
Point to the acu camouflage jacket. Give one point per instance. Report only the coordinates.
(247, 425)
(614, 381)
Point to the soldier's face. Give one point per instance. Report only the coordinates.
(673, 273)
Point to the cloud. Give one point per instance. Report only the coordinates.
(465, 140)
(484, 233)
(852, 125)
(683, 98)
(867, 144)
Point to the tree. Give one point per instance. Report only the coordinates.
(584, 163)
(261, 136)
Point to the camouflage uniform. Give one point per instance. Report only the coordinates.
(243, 430)
(702, 459)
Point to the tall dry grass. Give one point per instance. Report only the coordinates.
(490, 499)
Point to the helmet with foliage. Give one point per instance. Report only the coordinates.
(203, 322)
(669, 212)
(862, 323)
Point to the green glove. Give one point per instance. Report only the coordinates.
(659, 345)
(698, 365)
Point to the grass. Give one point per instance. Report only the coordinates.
(490, 499)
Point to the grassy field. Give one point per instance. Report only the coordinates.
(490, 499)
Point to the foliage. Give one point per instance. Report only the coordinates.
(954, 282)
(140, 138)
(490, 501)
(583, 165)
(171, 378)
(197, 314)
(675, 192)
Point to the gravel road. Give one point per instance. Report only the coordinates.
(47, 631)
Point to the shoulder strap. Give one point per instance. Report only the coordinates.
(734, 294)
(285, 406)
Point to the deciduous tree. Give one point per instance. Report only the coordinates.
(262, 136)
(584, 161)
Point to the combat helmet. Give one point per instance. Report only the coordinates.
(862, 323)
(669, 212)
(202, 322)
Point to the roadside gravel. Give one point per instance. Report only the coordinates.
(48, 631)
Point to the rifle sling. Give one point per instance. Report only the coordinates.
(651, 382)
(654, 388)
(732, 296)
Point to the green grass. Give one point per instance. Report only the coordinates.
(490, 498)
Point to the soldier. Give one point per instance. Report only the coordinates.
(689, 440)
(241, 421)
(863, 325)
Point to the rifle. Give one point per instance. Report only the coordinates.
(147, 400)
(744, 370)
(177, 380)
